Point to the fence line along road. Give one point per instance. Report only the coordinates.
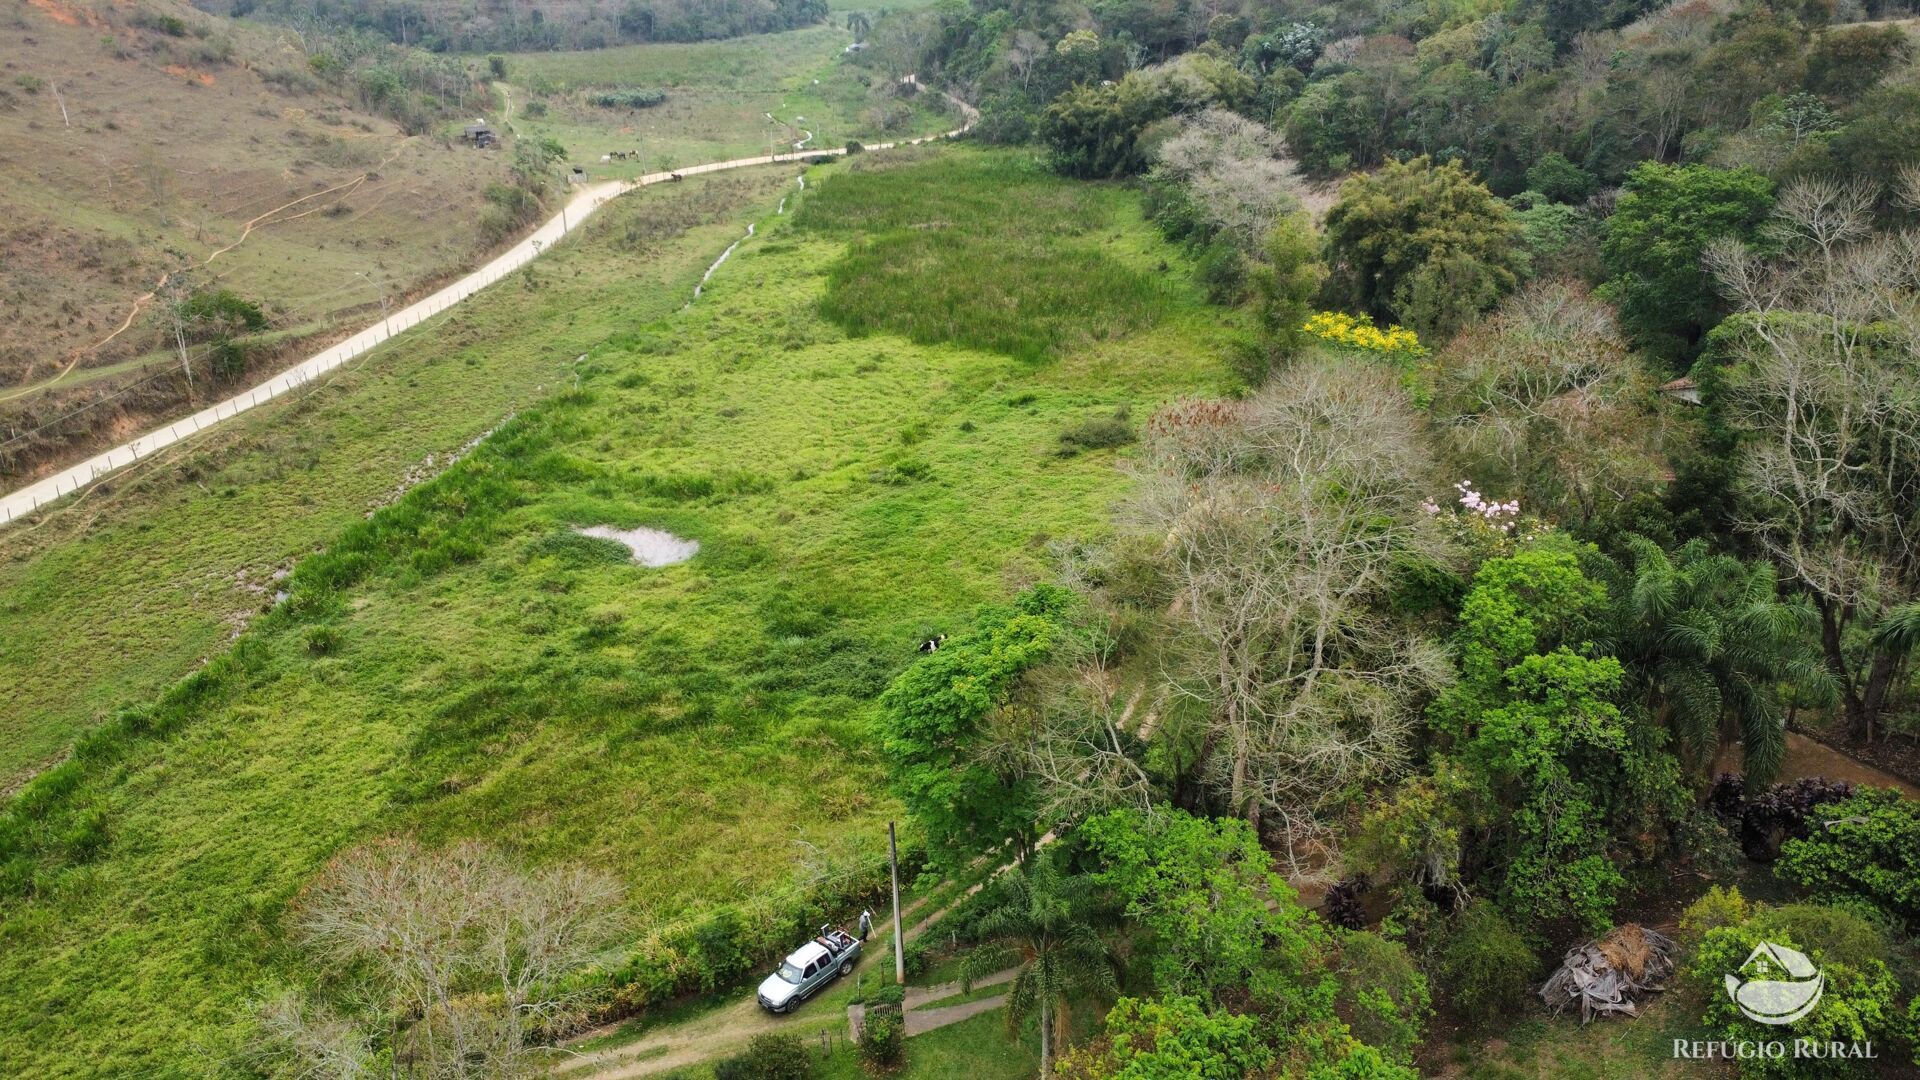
(18, 504)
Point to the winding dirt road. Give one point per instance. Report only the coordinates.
(17, 505)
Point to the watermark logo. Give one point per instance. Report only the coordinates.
(1776, 985)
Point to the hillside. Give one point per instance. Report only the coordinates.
(220, 154)
(132, 151)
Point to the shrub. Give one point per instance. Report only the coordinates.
(1719, 907)
(627, 99)
(1857, 1000)
(1486, 967)
(891, 994)
(1867, 848)
(774, 1056)
(1101, 433)
(1383, 996)
(882, 1040)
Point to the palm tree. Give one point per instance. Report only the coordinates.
(1041, 927)
(1711, 648)
(858, 22)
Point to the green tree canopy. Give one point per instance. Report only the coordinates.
(931, 717)
(1666, 217)
(1420, 244)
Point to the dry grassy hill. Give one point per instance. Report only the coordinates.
(141, 138)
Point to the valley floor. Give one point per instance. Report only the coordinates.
(474, 669)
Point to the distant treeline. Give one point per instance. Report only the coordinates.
(627, 99)
(498, 25)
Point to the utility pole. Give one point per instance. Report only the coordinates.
(899, 941)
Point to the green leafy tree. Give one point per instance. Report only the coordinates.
(1538, 724)
(1707, 641)
(1858, 998)
(933, 716)
(1283, 283)
(1559, 179)
(1420, 244)
(1205, 893)
(1174, 1037)
(1042, 926)
(1868, 848)
(1093, 130)
(1666, 218)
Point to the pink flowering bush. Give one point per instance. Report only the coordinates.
(1487, 527)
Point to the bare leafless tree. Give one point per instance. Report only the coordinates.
(1278, 522)
(300, 1040)
(466, 947)
(1823, 388)
(1546, 401)
(1235, 170)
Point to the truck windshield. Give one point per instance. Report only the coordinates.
(790, 973)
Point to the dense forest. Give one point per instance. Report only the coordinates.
(1638, 289)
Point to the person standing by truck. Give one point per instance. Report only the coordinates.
(866, 924)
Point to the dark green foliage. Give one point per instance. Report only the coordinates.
(1486, 968)
(1845, 62)
(774, 1056)
(1707, 641)
(1094, 131)
(1863, 848)
(627, 99)
(931, 718)
(1858, 999)
(883, 1040)
(1559, 179)
(1556, 769)
(1423, 245)
(1666, 217)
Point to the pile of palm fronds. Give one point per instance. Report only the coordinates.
(1606, 976)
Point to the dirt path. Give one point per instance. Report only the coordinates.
(26, 501)
(921, 1021)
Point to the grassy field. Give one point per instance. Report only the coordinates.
(113, 598)
(463, 665)
(719, 97)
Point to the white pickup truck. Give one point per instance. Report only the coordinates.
(809, 967)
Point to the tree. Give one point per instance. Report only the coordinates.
(1041, 926)
(859, 25)
(1544, 400)
(1558, 770)
(1093, 130)
(463, 947)
(934, 716)
(1171, 1037)
(1284, 281)
(1277, 524)
(1205, 893)
(1666, 218)
(1235, 172)
(1424, 245)
(1816, 383)
(1707, 641)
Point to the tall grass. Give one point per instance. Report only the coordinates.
(1000, 258)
